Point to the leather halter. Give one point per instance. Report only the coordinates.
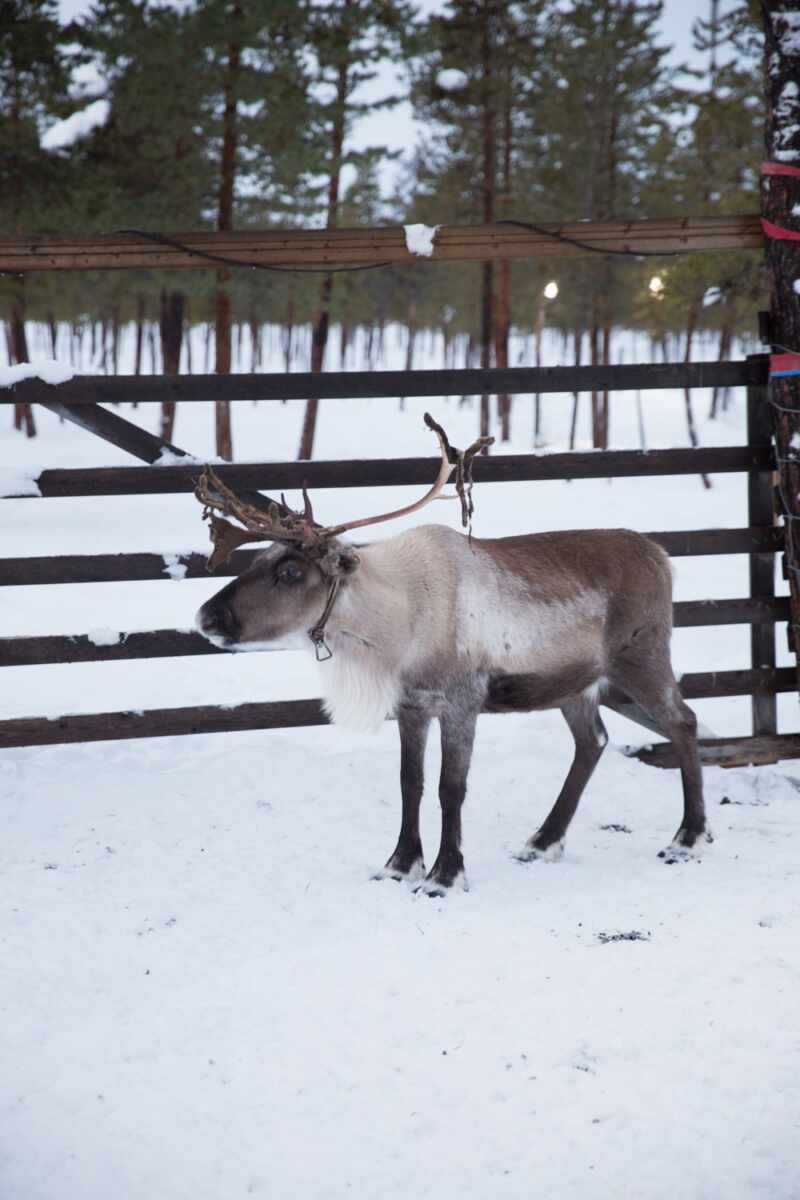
(317, 634)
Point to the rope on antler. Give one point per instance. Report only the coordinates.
(462, 460)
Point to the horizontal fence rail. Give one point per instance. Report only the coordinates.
(120, 568)
(353, 385)
(177, 643)
(285, 714)
(357, 473)
(129, 250)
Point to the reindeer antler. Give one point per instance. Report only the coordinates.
(283, 525)
(276, 524)
(462, 461)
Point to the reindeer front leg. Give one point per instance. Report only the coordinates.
(406, 862)
(457, 723)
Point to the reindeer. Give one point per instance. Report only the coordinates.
(435, 624)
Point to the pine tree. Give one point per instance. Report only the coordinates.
(614, 96)
(480, 62)
(349, 38)
(33, 86)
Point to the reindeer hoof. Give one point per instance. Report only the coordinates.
(552, 853)
(411, 875)
(686, 846)
(440, 887)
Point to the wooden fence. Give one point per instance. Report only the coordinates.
(79, 400)
(129, 249)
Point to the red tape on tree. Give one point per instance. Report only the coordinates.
(781, 365)
(774, 168)
(777, 232)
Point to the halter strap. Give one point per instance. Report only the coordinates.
(317, 634)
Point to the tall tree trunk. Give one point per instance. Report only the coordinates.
(171, 326)
(288, 329)
(604, 413)
(140, 317)
(187, 335)
(594, 359)
(254, 347)
(488, 118)
(224, 438)
(322, 324)
(18, 352)
(691, 325)
(503, 313)
(727, 321)
(573, 423)
(410, 343)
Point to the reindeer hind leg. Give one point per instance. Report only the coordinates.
(652, 685)
(582, 715)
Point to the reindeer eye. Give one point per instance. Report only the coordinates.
(289, 572)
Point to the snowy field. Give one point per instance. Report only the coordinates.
(204, 995)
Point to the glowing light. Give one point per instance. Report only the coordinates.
(551, 290)
(656, 285)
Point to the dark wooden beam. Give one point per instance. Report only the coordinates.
(159, 722)
(500, 468)
(761, 511)
(727, 752)
(114, 429)
(283, 714)
(117, 568)
(780, 194)
(755, 540)
(349, 385)
(177, 643)
(110, 427)
(322, 247)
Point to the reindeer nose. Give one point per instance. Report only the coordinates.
(216, 619)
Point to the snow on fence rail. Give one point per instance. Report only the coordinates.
(78, 400)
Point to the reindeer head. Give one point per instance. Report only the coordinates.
(291, 588)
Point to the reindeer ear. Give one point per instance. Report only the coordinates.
(338, 559)
(348, 560)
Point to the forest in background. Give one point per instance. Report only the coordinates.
(227, 115)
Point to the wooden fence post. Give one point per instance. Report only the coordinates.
(761, 511)
(780, 196)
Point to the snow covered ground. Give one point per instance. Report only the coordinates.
(204, 995)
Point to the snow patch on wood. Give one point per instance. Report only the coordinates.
(50, 370)
(419, 239)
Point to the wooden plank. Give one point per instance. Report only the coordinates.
(761, 511)
(114, 568)
(114, 429)
(177, 643)
(349, 385)
(133, 439)
(117, 568)
(282, 714)
(757, 611)
(753, 540)
(500, 468)
(80, 648)
(320, 247)
(727, 752)
(160, 722)
(704, 685)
